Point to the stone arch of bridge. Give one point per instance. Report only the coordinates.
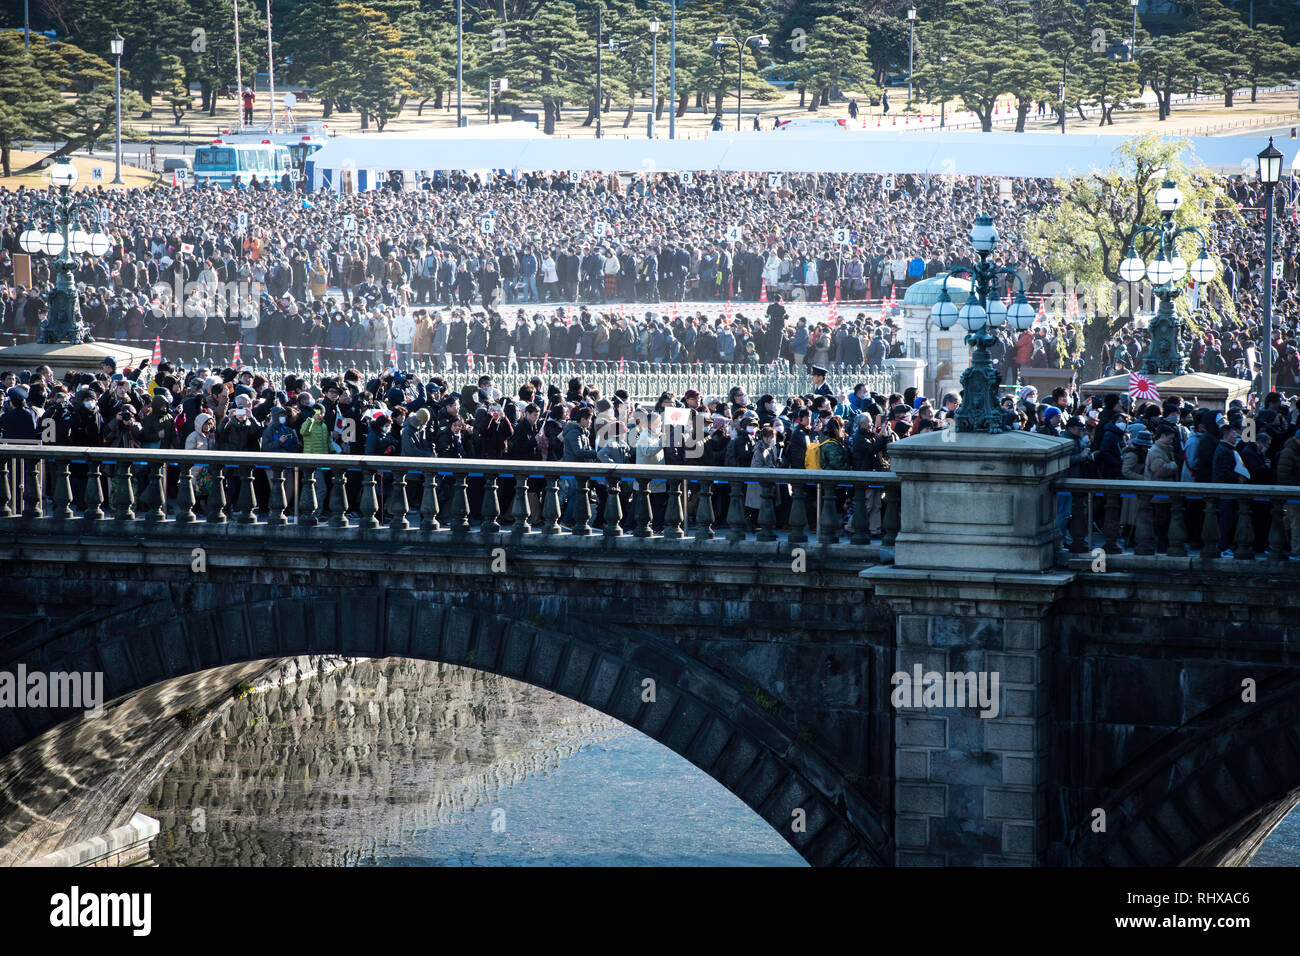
(1211, 794)
(696, 712)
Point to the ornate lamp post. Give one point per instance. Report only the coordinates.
(64, 325)
(1270, 174)
(117, 45)
(1166, 272)
(983, 312)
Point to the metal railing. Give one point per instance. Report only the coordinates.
(1183, 519)
(127, 490)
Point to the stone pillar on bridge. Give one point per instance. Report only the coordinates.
(974, 589)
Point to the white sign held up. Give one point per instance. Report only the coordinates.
(773, 180)
(734, 233)
(844, 236)
(489, 224)
(350, 224)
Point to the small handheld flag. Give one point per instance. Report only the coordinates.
(1139, 386)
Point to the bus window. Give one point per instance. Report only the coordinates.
(212, 158)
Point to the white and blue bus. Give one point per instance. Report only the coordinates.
(222, 163)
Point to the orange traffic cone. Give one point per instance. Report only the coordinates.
(906, 120)
(895, 120)
(315, 358)
(762, 291)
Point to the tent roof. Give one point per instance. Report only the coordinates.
(867, 151)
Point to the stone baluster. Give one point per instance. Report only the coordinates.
(798, 513)
(32, 491)
(1110, 525)
(247, 496)
(892, 519)
(398, 505)
(339, 499)
(736, 526)
(1177, 526)
(581, 507)
(369, 508)
(828, 528)
(1210, 545)
(675, 514)
(155, 493)
(641, 523)
(1144, 538)
(429, 503)
(94, 492)
(217, 496)
(613, 508)
(307, 503)
(122, 492)
(491, 510)
(704, 512)
(766, 511)
(520, 511)
(1080, 523)
(276, 504)
(861, 525)
(185, 496)
(551, 506)
(62, 504)
(1277, 532)
(1244, 547)
(6, 494)
(460, 506)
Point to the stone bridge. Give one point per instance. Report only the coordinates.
(1146, 712)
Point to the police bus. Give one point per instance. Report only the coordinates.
(222, 163)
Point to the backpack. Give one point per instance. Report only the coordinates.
(812, 457)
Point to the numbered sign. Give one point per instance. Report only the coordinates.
(1277, 270)
(295, 175)
(687, 178)
(182, 175)
(773, 180)
(488, 224)
(575, 176)
(844, 236)
(350, 224)
(599, 230)
(887, 183)
(103, 215)
(734, 233)
(241, 218)
(96, 173)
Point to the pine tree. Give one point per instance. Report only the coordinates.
(29, 102)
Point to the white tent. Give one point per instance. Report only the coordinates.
(867, 151)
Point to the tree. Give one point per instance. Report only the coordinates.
(837, 55)
(1223, 39)
(29, 102)
(548, 56)
(1269, 58)
(1087, 234)
(174, 89)
(1170, 65)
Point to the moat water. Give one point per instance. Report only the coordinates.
(408, 763)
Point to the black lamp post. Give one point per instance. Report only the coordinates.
(983, 312)
(117, 45)
(1270, 174)
(63, 324)
(1166, 272)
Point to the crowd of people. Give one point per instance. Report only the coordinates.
(452, 269)
(833, 427)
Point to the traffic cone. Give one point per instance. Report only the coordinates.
(234, 361)
(906, 120)
(895, 120)
(546, 364)
(469, 361)
(762, 291)
(826, 290)
(877, 121)
(173, 177)
(315, 358)
(392, 355)
(893, 301)
(157, 351)
(1042, 313)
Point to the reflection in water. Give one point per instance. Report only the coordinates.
(398, 762)
(1282, 848)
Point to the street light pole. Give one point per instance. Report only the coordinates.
(672, 75)
(943, 102)
(600, 42)
(460, 24)
(740, 62)
(116, 45)
(1270, 173)
(1134, 42)
(654, 25)
(911, 36)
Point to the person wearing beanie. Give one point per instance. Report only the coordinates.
(417, 438)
